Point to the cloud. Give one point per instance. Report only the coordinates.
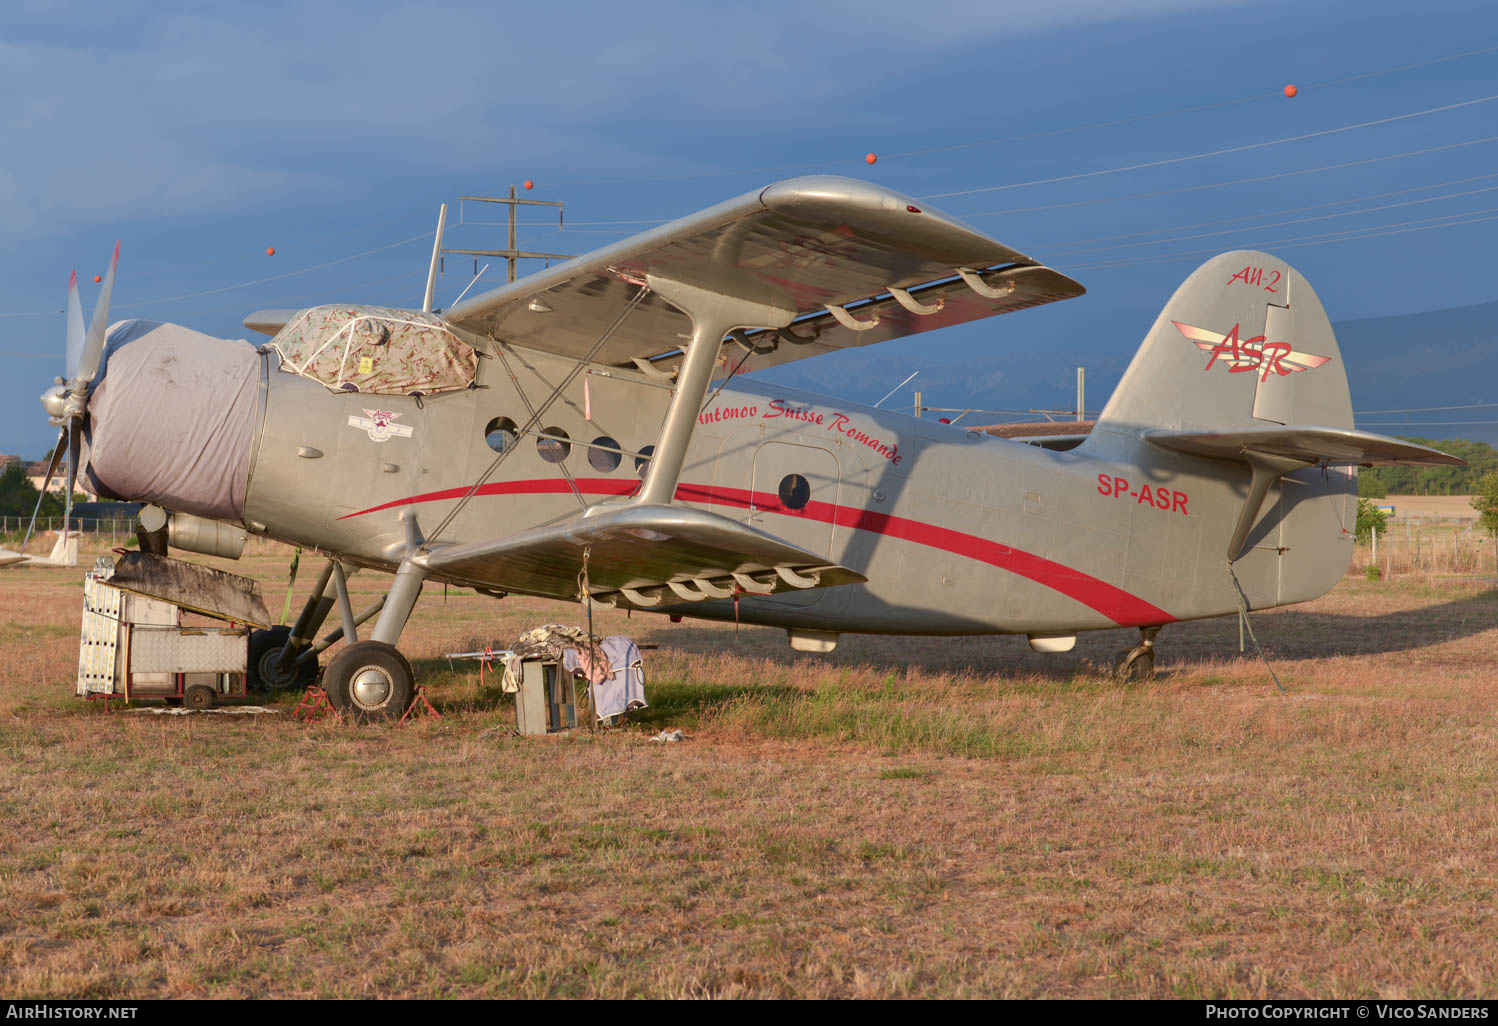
(151, 109)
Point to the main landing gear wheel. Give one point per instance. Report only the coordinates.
(370, 681)
(265, 651)
(1137, 665)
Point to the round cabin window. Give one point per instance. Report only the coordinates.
(501, 434)
(795, 491)
(603, 460)
(553, 445)
(643, 460)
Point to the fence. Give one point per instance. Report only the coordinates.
(116, 527)
(1429, 548)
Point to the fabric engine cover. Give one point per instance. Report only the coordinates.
(172, 418)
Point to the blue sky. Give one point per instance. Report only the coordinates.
(199, 135)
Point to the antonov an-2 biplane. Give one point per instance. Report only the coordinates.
(586, 431)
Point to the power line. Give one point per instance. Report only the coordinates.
(1134, 119)
(1426, 423)
(989, 213)
(1288, 210)
(1350, 236)
(277, 277)
(1431, 409)
(1232, 182)
(1183, 110)
(1214, 153)
(1281, 224)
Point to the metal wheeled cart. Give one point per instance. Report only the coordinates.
(135, 646)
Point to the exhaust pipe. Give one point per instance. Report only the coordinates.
(159, 528)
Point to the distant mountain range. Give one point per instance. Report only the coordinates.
(1437, 358)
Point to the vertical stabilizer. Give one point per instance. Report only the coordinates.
(1243, 343)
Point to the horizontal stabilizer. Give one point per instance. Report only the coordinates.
(1327, 446)
(641, 556)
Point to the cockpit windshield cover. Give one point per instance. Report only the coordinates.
(376, 350)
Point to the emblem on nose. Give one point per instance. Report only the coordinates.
(380, 426)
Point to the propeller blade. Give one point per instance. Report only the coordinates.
(57, 453)
(93, 345)
(75, 329)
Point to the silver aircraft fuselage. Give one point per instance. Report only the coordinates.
(957, 532)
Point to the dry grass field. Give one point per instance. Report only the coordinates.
(901, 818)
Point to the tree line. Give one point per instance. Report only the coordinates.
(18, 494)
(1482, 459)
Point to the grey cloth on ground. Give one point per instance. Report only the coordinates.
(172, 418)
(625, 690)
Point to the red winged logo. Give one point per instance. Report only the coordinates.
(1251, 354)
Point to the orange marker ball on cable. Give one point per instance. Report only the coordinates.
(871, 158)
(529, 184)
(97, 279)
(1290, 92)
(270, 251)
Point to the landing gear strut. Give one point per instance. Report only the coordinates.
(371, 680)
(1137, 665)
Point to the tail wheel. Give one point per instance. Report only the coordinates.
(265, 652)
(370, 681)
(1134, 665)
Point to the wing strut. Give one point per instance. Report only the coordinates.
(713, 316)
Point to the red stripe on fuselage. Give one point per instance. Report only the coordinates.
(1118, 605)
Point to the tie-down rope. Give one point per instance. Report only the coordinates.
(1245, 622)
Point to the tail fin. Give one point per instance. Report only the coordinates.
(1243, 343)
(1238, 397)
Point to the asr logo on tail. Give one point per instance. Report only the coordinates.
(1252, 354)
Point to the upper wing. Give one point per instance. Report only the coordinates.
(808, 243)
(1325, 445)
(641, 556)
